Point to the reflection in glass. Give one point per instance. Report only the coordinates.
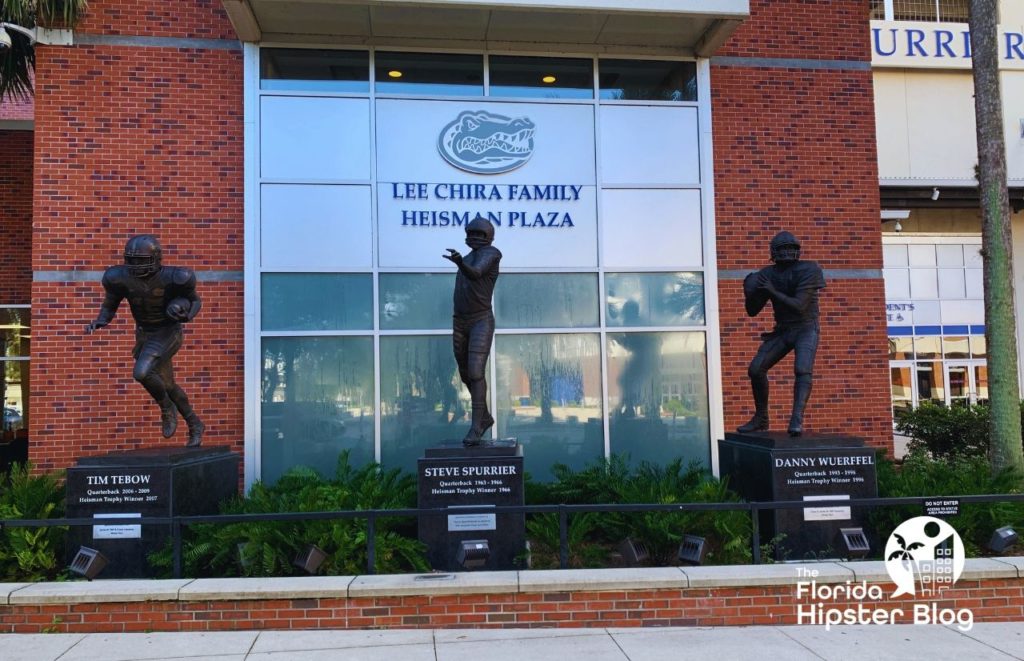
(648, 80)
(14, 395)
(930, 383)
(542, 77)
(422, 400)
(902, 390)
(959, 385)
(657, 391)
(928, 346)
(317, 301)
(981, 382)
(309, 69)
(429, 73)
(654, 299)
(416, 301)
(545, 300)
(316, 401)
(901, 348)
(978, 346)
(15, 333)
(955, 347)
(549, 397)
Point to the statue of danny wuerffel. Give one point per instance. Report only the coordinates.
(161, 299)
(792, 285)
(473, 318)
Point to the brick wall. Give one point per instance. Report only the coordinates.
(994, 600)
(131, 140)
(15, 217)
(794, 149)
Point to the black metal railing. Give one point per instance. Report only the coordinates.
(176, 523)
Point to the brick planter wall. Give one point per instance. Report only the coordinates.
(717, 596)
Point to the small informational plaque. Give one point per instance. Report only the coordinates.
(942, 507)
(830, 513)
(115, 531)
(479, 521)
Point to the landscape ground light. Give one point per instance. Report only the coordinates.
(88, 562)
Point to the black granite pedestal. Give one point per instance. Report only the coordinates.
(773, 466)
(152, 482)
(455, 477)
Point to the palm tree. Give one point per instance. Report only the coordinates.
(904, 553)
(18, 61)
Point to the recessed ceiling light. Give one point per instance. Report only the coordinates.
(549, 79)
(394, 73)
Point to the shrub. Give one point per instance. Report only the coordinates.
(267, 548)
(31, 554)
(948, 432)
(728, 534)
(923, 475)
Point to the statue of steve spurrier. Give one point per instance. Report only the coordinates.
(473, 318)
(792, 286)
(161, 299)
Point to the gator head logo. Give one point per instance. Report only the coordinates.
(485, 143)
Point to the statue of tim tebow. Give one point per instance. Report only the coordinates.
(792, 285)
(161, 299)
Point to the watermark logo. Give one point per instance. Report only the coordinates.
(925, 553)
(923, 556)
(482, 142)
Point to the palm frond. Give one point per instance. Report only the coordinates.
(18, 62)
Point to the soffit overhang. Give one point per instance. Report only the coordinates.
(682, 27)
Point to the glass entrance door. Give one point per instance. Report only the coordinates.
(901, 380)
(960, 390)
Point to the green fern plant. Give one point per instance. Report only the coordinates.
(31, 554)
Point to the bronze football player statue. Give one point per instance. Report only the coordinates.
(161, 299)
(473, 319)
(792, 286)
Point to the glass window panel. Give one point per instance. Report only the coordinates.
(316, 301)
(429, 73)
(952, 284)
(978, 346)
(927, 347)
(654, 299)
(15, 332)
(416, 301)
(422, 400)
(14, 395)
(535, 300)
(902, 389)
(647, 80)
(972, 255)
(981, 382)
(923, 283)
(950, 254)
(316, 401)
(955, 347)
(542, 77)
(974, 283)
(549, 397)
(921, 255)
(959, 385)
(658, 394)
(901, 348)
(894, 255)
(897, 283)
(309, 69)
(930, 383)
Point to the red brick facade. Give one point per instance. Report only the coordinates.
(794, 148)
(133, 139)
(15, 217)
(994, 600)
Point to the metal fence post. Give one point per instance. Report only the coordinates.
(755, 516)
(563, 537)
(176, 542)
(371, 544)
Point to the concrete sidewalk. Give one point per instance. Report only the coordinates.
(901, 642)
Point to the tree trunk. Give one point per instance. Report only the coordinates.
(1000, 327)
